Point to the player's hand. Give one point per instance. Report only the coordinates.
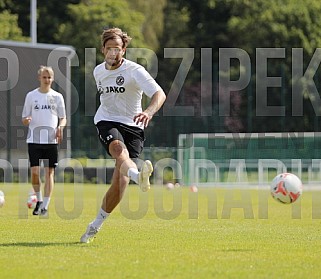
(26, 121)
(59, 134)
(142, 118)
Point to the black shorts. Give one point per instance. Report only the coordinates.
(46, 153)
(132, 137)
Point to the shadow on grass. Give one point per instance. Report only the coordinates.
(237, 250)
(41, 244)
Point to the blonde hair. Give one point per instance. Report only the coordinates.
(46, 69)
(115, 33)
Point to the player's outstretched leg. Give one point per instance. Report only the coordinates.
(144, 175)
(90, 234)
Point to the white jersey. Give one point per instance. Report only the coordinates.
(121, 92)
(45, 110)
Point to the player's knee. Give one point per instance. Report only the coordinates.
(117, 148)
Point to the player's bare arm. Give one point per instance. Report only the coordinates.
(60, 128)
(156, 103)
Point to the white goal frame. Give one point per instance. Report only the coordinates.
(192, 165)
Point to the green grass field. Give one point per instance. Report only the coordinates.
(215, 233)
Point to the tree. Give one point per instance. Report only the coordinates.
(280, 24)
(88, 18)
(22, 10)
(249, 25)
(276, 23)
(9, 27)
(153, 24)
(51, 14)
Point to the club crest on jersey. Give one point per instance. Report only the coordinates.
(120, 80)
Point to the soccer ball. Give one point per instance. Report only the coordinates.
(286, 188)
(32, 201)
(2, 200)
(170, 186)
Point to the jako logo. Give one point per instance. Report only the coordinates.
(111, 89)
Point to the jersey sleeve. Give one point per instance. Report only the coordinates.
(27, 107)
(145, 82)
(61, 109)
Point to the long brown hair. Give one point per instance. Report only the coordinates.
(114, 33)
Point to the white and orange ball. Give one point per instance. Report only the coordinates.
(170, 186)
(193, 189)
(286, 188)
(32, 201)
